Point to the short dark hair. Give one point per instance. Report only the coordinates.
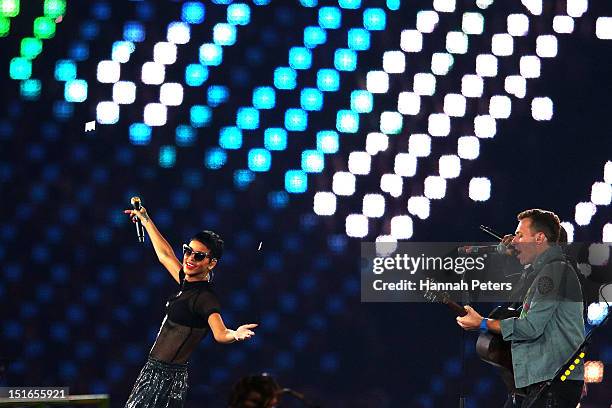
(212, 240)
(543, 221)
(254, 390)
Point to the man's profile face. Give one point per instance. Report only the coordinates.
(525, 242)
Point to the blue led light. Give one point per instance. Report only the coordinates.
(140, 134)
(347, 121)
(217, 94)
(314, 36)
(285, 78)
(65, 70)
(211, 54)
(359, 39)
(349, 4)
(328, 80)
(144, 11)
(247, 118)
(195, 74)
(167, 156)
(328, 141)
(311, 99)
(78, 51)
(374, 19)
(89, 30)
(275, 139)
(238, 14)
(75, 90)
(362, 101)
(121, 49)
(193, 12)
(296, 181)
(185, 135)
(242, 178)
(133, 31)
(215, 158)
(260, 159)
(261, 2)
(330, 17)
(30, 89)
(230, 138)
(345, 60)
(309, 3)
(300, 58)
(200, 115)
(224, 34)
(264, 97)
(313, 161)
(296, 120)
(63, 110)
(393, 4)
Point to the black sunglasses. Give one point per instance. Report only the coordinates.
(197, 255)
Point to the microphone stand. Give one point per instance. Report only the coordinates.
(464, 301)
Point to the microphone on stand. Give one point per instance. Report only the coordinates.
(485, 249)
(136, 204)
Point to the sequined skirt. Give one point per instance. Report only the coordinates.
(159, 385)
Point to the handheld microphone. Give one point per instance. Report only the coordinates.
(135, 201)
(484, 249)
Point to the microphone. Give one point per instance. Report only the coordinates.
(135, 201)
(484, 249)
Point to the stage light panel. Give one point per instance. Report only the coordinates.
(419, 145)
(472, 23)
(601, 193)
(78, 51)
(576, 8)
(435, 187)
(438, 124)
(500, 107)
(285, 78)
(374, 19)
(313, 161)
(167, 156)
(44, 28)
(193, 12)
(140, 134)
(569, 228)
(596, 313)
(391, 122)
(330, 17)
(311, 99)
(456, 42)
(377, 81)
(152, 73)
(468, 147)
(392, 184)
(242, 178)
(359, 163)
(607, 233)
(216, 95)
(424, 84)
(546, 46)
(534, 6)
(200, 115)
(90, 30)
(530, 66)
(394, 62)
(480, 189)
(108, 72)
(427, 20)
(313, 36)
(5, 26)
(343, 183)
(502, 45)
(358, 39)
(441, 63)
(401, 227)
(485, 126)
(373, 205)
(155, 114)
(230, 138)
(224, 34)
(599, 254)
(121, 51)
(247, 118)
(393, 4)
(75, 90)
(362, 101)
(124, 92)
(356, 225)
(178, 33)
(347, 121)
(411, 41)
(324, 203)
(260, 160)
(30, 47)
(328, 141)
(583, 213)
(408, 103)
(516, 85)
(195, 74)
(107, 113)
(300, 58)
(30, 89)
(376, 142)
(238, 14)
(345, 59)
(419, 207)
(603, 27)
(9, 8)
(517, 25)
(296, 120)
(454, 105)
(296, 181)
(275, 139)
(486, 65)
(444, 6)
(349, 4)
(264, 97)
(63, 110)
(405, 164)
(608, 172)
(211, 54)
(449, 166)
(171, 94)
(215, 158)
(133, 31)
(542, 108)
(328, 80)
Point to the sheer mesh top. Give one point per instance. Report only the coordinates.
(186, 321)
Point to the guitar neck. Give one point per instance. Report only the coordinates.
(455, 307)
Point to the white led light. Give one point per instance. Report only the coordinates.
(530, 66)
(542, 108)
(468, 147)
(569, 229)
(359, 163)
(473, 23)
(373, 205)
(534, 6)
(178, 33)
(171, 94)
(435, 187)
(419, 145)
(424, 84)
(419, 206)
(392, 184)
(394, 62)
(376, 142)
(518, 25)
(607, 233)
(408, 103)
(356, 225)
(576, 8)
(427, 21)
(486, 65)
(608, 172)
(377, 81)
(456, 42)
(502, 45)
(472, 86)
(155, 114)
(584, 212)
(164, 53)
(599, 254)
(603, 28)
(441, 63)
(411, 41)
(108, 72)
(122, 50)
(565, 24)
(480, 189)
(585, 269)
(124, 92)
(153, 73)
(107, 113)
(449, 166)
(444, 6)
(324, 203)
(500, 107)
(401, 227)
(516, 85)
(391, 122)
(343, 183)
(405, 165)
(601, 193)
(438, 124)
(385, 245)
(546, 46)
(484, 126)
(454, 105)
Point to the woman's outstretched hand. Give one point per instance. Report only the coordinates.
(244, 332)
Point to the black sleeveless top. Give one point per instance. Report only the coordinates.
(186, 321)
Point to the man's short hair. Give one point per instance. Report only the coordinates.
(543, 221)
(213, 241)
